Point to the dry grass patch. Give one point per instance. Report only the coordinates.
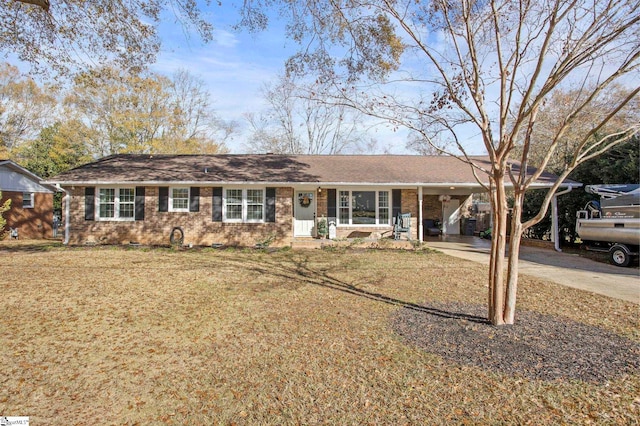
(114, 336)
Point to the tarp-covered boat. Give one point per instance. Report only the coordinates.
(613, 224)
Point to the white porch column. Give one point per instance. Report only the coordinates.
(420, 226)
(555, 232)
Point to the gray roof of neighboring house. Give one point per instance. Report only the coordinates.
(281, 169)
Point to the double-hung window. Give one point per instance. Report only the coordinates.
(179, 199)
(244, 205)
(27, 200)
(363, 207)
(116, 203)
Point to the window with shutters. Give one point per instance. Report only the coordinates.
(179, 199)
(116, 203)
(244, 205)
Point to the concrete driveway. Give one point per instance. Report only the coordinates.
(562, 268)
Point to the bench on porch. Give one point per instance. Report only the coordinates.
(401, 225)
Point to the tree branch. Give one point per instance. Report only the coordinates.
(44, 4)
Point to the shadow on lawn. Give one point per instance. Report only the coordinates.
(300, 270)
(538, 346)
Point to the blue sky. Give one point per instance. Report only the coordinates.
(236, 65)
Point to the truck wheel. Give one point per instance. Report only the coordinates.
(619, 256)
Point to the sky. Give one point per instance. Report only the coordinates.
(236, 65)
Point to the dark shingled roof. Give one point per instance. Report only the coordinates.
(281, 169)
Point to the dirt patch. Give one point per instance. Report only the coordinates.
(538, 346)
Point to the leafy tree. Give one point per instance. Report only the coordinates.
(477, 67)
(147, 113)
(621, 164)
(124, 113)
(25, 108)
(64, 35)
(3, 222)
(57, 149)
(552, 115)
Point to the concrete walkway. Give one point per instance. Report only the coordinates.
(562, 268)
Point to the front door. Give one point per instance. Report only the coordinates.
(305, 208)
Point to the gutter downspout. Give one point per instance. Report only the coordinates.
(555, 234)
(67, 213)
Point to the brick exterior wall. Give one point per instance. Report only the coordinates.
(32, 223)
(198, 227)
(431, 207)
(200, 230)
(409, 204)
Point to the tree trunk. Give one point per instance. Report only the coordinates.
(514, 255)
(498, 245)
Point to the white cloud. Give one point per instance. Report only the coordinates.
(225, 38)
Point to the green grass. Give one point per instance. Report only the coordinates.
(137, 336)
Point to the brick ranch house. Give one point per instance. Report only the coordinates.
(31, 211)
(247, 199)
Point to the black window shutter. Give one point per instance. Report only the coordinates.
(139, 207)
(397, 201)
(194, 199)
(217, 204)
(163, 199)
(89, 203)
(331, 203)
(270, 207)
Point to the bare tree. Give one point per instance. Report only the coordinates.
(478, 67)
(551, 119)
(60, 35)
(301, 119)
(193, 126)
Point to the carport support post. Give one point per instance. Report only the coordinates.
(420, 225)
(555, 232)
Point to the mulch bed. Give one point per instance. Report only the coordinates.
(538, 346)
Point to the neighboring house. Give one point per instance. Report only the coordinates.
(247, 199)
(31, 210)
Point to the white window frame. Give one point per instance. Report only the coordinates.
(350, 192)
(185, 209)
(31, 196)
(245, 205)
(116, 202)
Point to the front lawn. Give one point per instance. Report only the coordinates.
(150, 336)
